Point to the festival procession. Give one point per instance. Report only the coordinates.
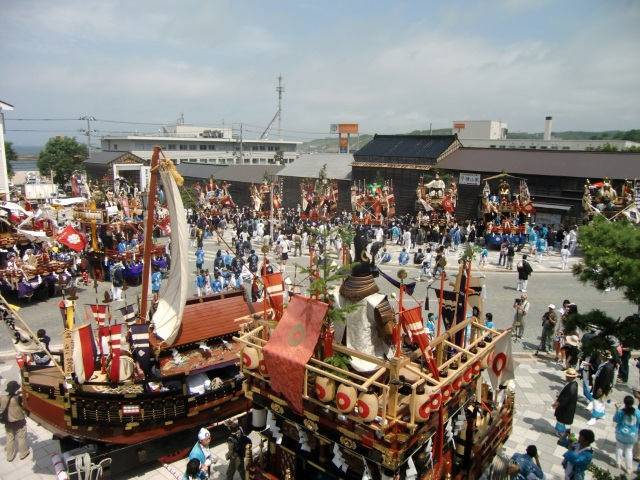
(290, 339)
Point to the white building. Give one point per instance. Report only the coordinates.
(492, 134)
(4, 177)
(215, 146)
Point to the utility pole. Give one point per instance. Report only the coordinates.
(280, 90)
(88, 131)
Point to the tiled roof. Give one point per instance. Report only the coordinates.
(198, 170)
(408, 146)
(104, 158)
(309, 165)
(247, 173)
(578, 164)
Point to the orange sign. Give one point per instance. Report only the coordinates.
(348, 128)
(343, 142)
(459, 126)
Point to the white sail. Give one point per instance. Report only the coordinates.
(168, 316)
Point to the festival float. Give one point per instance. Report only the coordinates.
(601, 198)
(130, 387)
(372, 395)
(28, 264)
(115, 227)
(372, 204)
(213, 195)
(265, 198)
(318, 197)
(435, 202)
(505, 213)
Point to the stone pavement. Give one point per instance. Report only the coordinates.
(537, 384)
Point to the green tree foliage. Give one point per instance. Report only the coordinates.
(62, 155)
(278, 158)
(610, 258)
(631, 135)
(11, 155)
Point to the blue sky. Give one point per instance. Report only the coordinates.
(391, 67)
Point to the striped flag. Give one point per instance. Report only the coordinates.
(99, 313)
(128, 314)
(111, 338)
(140, 342)
(413, 324)
(84, 353)
(275, 292)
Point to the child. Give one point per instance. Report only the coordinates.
(483, 256)
(558, 343)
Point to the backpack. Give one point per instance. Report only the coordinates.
(240, 443)
(4, 416)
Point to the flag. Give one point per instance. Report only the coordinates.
(274, 289)
(128, 314)
(27, 205)
(291, 345)
(72, 238)
(448, 306)
(409, 287)
(501, 369)
(110, 338)
(632, 213)
(528, 208)
(447, 204)
(99, 313)
(84, 353)
(165, 225)
(140, 344)
(413, 324)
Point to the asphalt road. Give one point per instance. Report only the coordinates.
(548, 285)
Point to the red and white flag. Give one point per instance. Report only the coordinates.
(110, 338)
(84, 353)
(72, 238)
(501, 369)
(99, 313)
(413, 324)
(165, 226)
(528, 208)
(274, 289)
(447, 204)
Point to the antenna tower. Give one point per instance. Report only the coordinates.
(280, 90)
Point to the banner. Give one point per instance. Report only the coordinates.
(413, 324)
(72, 238)
(84, 353)
(165, 225)
(274, 289)
(140, 345)
(110, 338)
(128, 314)
(447, 204)
(501, 369)
(291, 346)
(99, 313)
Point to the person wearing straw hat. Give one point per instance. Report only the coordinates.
(565, 404)
(16, 425)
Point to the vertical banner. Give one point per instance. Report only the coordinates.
(67, 352)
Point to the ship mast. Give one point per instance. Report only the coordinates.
(148, 234)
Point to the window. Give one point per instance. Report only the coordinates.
(492, 146)
(172, 146)
(554, 147)
(193, 147)
(566, 148)
(533, 147)
(183, 147)
(203, 147)
(211, 147)
(255, 148)
(263, 148)
(271, 148)
(115, 146)
(139, 146)
(503, 146)
(254, 161)
(543, 147)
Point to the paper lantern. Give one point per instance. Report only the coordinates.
(346, 397)
(325, 389)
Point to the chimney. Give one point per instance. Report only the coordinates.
(547, 128)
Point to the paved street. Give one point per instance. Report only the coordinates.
(538, 379)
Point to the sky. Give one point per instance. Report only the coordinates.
(391, 67)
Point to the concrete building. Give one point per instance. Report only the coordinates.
(4, 178)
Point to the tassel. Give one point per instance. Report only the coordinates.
(426, 300)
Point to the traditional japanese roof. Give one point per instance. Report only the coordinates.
(198, 170)
(105, 158)
(420, 147)
(247, 173)
(309, 165)
(579, 164)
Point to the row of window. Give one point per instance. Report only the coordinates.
(531, 147)
(232, 161)
(210, 147)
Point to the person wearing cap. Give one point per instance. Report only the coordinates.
(601, 386)
(201, 452)
(525, 466)
(549, 322)
(524, 271)
(16, 426)
(565, 404)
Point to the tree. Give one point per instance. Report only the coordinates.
(62, 156)
(11, 156)
(278, 157)
(610, 258)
